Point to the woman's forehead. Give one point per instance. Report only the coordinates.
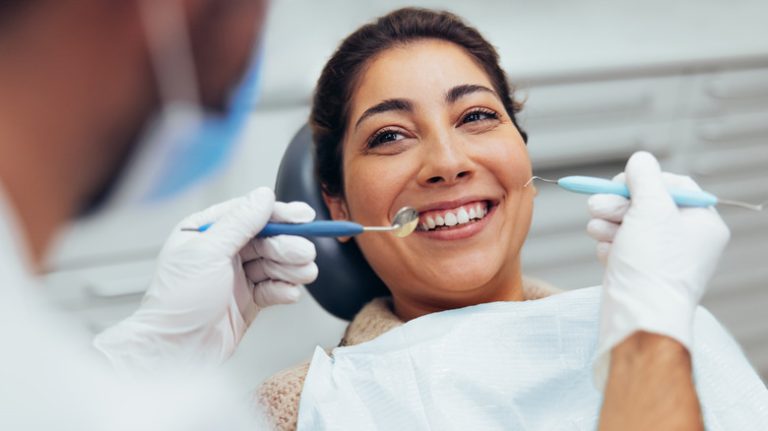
(419, 71)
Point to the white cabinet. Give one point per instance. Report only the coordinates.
(100, 295)
(587, 128)
(728, 155)
(710, 125)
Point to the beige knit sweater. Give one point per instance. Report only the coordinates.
(279, 395)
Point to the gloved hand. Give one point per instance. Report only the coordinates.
(209, 286)
(659, 258)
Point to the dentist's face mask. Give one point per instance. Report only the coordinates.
(184, 144)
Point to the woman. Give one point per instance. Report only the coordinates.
(415, 110)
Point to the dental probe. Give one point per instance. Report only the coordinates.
(403, 224)
(686, 198)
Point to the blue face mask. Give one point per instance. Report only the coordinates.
(206, 143)
(184, 144)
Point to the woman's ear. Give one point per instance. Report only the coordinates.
(338, 209)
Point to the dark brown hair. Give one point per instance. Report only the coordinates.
(330, 107)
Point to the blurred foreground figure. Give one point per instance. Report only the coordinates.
(107, 103)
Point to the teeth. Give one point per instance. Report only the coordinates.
(452, 218)
(462, 216)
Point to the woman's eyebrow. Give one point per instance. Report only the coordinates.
(460, 91)
(387, 105)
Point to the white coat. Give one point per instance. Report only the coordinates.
(51, 378)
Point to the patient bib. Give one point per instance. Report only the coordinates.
(505, 365)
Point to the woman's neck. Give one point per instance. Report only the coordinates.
(504, 287)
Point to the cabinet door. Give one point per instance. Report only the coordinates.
(730, 91)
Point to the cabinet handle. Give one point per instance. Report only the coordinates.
(592, 106)
(117, 288)
(743, 88)
(598, 148)
(721, 132)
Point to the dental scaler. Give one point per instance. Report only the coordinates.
(686, 198)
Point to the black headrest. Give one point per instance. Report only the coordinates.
(345, 281)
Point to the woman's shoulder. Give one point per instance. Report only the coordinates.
(278, 397)
(374, 319)
(534, 288)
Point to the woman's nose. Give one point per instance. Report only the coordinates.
(445, 162)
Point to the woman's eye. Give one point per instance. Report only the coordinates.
(384, 137)
(479, 115)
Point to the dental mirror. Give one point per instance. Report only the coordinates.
(403, 224)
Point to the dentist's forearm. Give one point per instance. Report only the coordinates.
(650, 386)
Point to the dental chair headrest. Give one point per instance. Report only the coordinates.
(345, 282)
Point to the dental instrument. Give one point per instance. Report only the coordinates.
(403, 224)
(687, 198)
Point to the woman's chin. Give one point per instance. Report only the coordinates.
(457, 279)
(466, 271)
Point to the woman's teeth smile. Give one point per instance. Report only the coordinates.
(452, 218)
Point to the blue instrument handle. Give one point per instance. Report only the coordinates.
(326, 228)
(592, 185)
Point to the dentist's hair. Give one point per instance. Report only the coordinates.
(330, 107)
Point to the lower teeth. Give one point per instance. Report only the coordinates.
(444, 227)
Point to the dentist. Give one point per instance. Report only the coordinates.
(80, 82)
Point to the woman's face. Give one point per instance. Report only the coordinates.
(427, 130)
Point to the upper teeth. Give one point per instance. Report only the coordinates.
(460, 215)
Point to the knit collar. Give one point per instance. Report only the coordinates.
(377, 316)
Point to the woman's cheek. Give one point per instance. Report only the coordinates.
(371, 186)
(508, 161)
(357, 183)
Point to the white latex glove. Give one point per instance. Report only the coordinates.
(659, 258)
(209, 286)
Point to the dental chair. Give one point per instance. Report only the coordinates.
(345, 282)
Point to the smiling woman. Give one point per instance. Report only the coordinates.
(440, 141)
(414, 110)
